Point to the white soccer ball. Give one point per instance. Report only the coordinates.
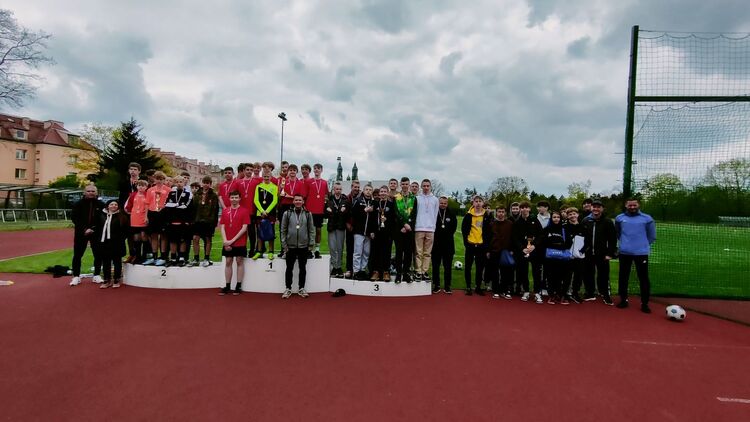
(676, 313)
(458, 265)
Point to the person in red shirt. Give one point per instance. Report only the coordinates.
(156, 198)
(305, 170)
(317, 191)
(234, 221)
(137, 208)
(226, 186)
(246, 187)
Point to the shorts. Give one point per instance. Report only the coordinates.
(203, 230)
(240, 251)
(155, 222)
(137, 230)
(318, 220)
(177, 233)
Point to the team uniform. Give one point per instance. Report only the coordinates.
(233, 219)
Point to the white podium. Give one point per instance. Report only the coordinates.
(261, 276)
(381, 288)
(267, 275)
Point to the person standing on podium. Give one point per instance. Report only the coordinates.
(297, 241)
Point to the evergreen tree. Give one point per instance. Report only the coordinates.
(127, 146)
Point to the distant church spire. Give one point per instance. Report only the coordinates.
(354, 172)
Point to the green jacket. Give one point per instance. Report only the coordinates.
(206, 209)
(405, 210)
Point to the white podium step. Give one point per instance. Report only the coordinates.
(261, 276)
(381, 288)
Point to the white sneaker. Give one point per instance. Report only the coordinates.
(97, 279)
(287, 294)
(544, 292)
(496, 296)
(303, 293)
(538, 298)
(525, 297)
(75, 281)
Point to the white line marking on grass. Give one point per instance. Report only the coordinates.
(709, 346)
(733, 400)
(33, 254)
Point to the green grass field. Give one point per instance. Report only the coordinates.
(688, 260)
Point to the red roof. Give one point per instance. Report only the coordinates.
(49, 132)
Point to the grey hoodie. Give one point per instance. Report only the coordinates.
(297, 230)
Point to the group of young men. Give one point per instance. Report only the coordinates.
(166, 218)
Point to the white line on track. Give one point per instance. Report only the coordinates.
(733, 400)
(708, 346)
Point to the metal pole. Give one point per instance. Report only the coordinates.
(282, 143)
(627, 179)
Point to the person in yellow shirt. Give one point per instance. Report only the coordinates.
(475, 231)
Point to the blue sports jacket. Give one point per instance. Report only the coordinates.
(636, 233)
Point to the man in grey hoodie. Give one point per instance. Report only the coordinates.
(297, 241)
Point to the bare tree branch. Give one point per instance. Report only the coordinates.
(21, 52)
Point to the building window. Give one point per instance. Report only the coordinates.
(20, 173)
(21, 154)
(20, 134)
(73, 160)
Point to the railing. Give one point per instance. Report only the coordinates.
(735, 221)
(15, 215)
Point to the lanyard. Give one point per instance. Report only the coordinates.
(232, 215)
(317, 186)
(442, 218)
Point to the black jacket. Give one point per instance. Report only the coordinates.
(177, 207)
(524, 229)
(336, 217)
(444, 235)
(557, 236)
(85, 215)
(114, 245)
(388, 209)
(365, 223)
(466, 227)
(600, 237)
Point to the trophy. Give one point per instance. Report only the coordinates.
(283, 183)
(382, 219)
(529, 244)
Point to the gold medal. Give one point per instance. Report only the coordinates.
(443, 226)
(297, 226)
(318, 196)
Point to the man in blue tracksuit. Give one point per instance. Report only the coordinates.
(636, 232)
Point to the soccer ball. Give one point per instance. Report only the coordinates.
(676, 313)
(458, 265)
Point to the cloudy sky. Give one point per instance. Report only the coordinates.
(462, 92)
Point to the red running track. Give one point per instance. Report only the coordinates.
(138, 354)
(21, 243)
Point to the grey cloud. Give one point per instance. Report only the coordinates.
(297, 64)
(388, 15)
(318, 120)
(579, 48)
(344, 84)
(103, 69)
(448, 63)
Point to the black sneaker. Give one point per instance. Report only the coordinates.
(448, 291)
(309, 255)
(575, 298)
(281, 254)
(407, 278)
(607, 300)
(645, 309)
(479, 291)
(182, 262)
(623, 304)
(435, 290)
(224, 291)
(398, 279)
(469, 292)
(318, 255)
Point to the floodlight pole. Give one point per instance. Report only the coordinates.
(282, 116)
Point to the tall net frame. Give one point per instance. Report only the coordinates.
(687, 156)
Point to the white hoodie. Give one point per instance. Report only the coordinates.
(427, 211)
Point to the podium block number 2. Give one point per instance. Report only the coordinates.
(163, 273)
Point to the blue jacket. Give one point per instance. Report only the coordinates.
(636, 233)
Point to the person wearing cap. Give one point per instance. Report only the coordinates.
(475, 229)
(636, 232)
(600, 246)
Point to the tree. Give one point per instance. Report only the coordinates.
(578, 191)
(508, 189)
(98, 135)
(732, 175)
(69, 181)
(438, 188)
(21, 53)
(127, 146)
